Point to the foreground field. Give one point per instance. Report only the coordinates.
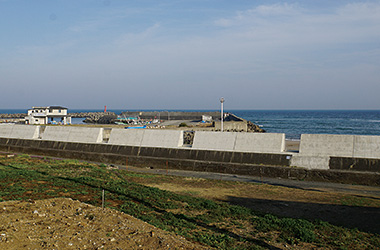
(62, 223)
(190, 209)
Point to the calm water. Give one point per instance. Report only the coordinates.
(295, 122)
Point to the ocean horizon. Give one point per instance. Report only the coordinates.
(291, 122)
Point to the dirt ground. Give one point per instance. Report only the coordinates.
(63, 223)
(69, 224)
(351, 206)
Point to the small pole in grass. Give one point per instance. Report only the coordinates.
(126, 164)
(167, 167)
(103, 199)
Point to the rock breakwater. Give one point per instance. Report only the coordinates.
(7, 116)
(100, 117)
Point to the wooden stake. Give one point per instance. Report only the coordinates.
(103, 199)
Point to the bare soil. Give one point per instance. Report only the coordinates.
(352, 210)
(63, 223)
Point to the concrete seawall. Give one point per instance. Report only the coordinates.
(254, 164)
(337, 158)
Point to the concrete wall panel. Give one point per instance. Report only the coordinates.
(6, 130)
(367, 146)
(85, 135)
(310, 162)
(355, 164)
(129, 137)
(327, 145)
(25, 132)
(147, 138)
(260, 142)
(162, 138)
(19, 131)
(214, 140)
(73, 134)
(56, 133)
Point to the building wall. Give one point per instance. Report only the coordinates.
(42, 115)
(57, 112)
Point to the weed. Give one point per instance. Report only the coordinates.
(293, 230)
(206, 221)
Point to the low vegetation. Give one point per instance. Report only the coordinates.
(182, 124)
(212, 223)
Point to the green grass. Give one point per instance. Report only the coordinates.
(208, 222)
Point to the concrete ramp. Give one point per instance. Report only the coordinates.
(260, 142)
(73, 134)
(128, 137)
(221, 141)
(327, 145)
(162, 138)
(6, 130)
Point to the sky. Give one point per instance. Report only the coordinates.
(187, 54)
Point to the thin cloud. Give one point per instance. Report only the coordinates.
(140, 37)
(291, 24)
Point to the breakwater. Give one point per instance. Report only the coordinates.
(73, 115)
(172, 115)
(12, 116)
(232, 123)
(163, 115)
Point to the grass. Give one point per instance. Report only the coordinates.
(212, 223)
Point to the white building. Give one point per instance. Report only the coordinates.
(48, 115)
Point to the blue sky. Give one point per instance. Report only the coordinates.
(149, 54)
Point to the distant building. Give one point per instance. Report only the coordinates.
(48, 115)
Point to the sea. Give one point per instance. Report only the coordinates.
(291, 122)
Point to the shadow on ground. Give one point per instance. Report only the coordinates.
(364, 218)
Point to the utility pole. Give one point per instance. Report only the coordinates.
(221, 114)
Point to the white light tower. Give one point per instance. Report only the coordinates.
(221, 114)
